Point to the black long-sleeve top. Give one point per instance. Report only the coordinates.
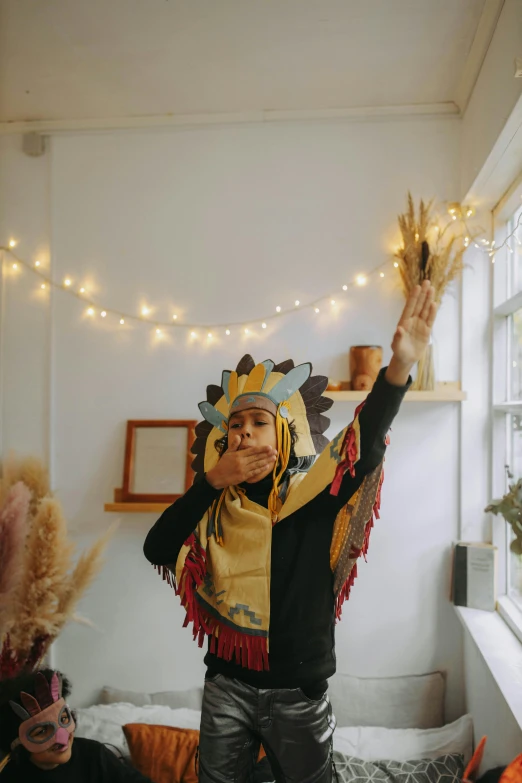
(90, 762)
(302, 603)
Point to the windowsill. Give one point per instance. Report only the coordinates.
(511, 615)
(501, 651)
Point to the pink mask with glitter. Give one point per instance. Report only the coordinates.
(46, 719)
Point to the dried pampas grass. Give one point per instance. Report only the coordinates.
(13, 530)
(39, 581)
(32, 472)
(427, 253)
(48, 558)
(86, 569)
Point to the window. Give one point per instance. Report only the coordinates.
(507, 388)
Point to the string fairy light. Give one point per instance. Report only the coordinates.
(456, 212)
(463, 213)
(212, 330)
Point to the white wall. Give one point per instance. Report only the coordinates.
(218, 222)
(492, 718)
(24, 326)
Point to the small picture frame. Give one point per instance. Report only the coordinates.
(157, 466)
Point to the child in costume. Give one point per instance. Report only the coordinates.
(37, 743)
(264, 548)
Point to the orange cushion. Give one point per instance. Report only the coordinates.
(513, 773)
(163, 753)
(471, 772)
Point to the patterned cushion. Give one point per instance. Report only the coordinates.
(446, 769)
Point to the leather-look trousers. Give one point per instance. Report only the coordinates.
(295, 731)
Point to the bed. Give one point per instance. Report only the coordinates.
(388, 729)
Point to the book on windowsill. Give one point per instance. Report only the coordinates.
(475, 576)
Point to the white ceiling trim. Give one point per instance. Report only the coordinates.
(477, 53)
(447, 109)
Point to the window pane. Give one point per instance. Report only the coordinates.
(514, 562)
(514, 574)
(516, 356)
(515, 253)
(508, 367)
(515, 450)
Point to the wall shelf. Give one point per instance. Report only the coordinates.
(443, 392)
(136, 508)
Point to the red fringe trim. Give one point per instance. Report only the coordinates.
(344, 592)
(349, 450)
(167, 575)
(355, 553)
(225, 642)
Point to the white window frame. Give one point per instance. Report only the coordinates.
(503, 305)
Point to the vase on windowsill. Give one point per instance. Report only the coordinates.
(431, 252)
(425, 380)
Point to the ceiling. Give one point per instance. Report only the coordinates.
(77, 59)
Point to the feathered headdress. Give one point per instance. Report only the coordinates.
(290, 393)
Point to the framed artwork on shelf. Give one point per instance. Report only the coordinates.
(157, 464)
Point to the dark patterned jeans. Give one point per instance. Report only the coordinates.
(295, 731)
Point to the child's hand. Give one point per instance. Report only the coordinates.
(413, 332)
(236, 466)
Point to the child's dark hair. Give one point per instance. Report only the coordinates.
(221, 445)
(9, 722)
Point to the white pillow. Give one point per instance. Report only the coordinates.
(373, 743)
(104, 722)
(413, 702)
(191, 698)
